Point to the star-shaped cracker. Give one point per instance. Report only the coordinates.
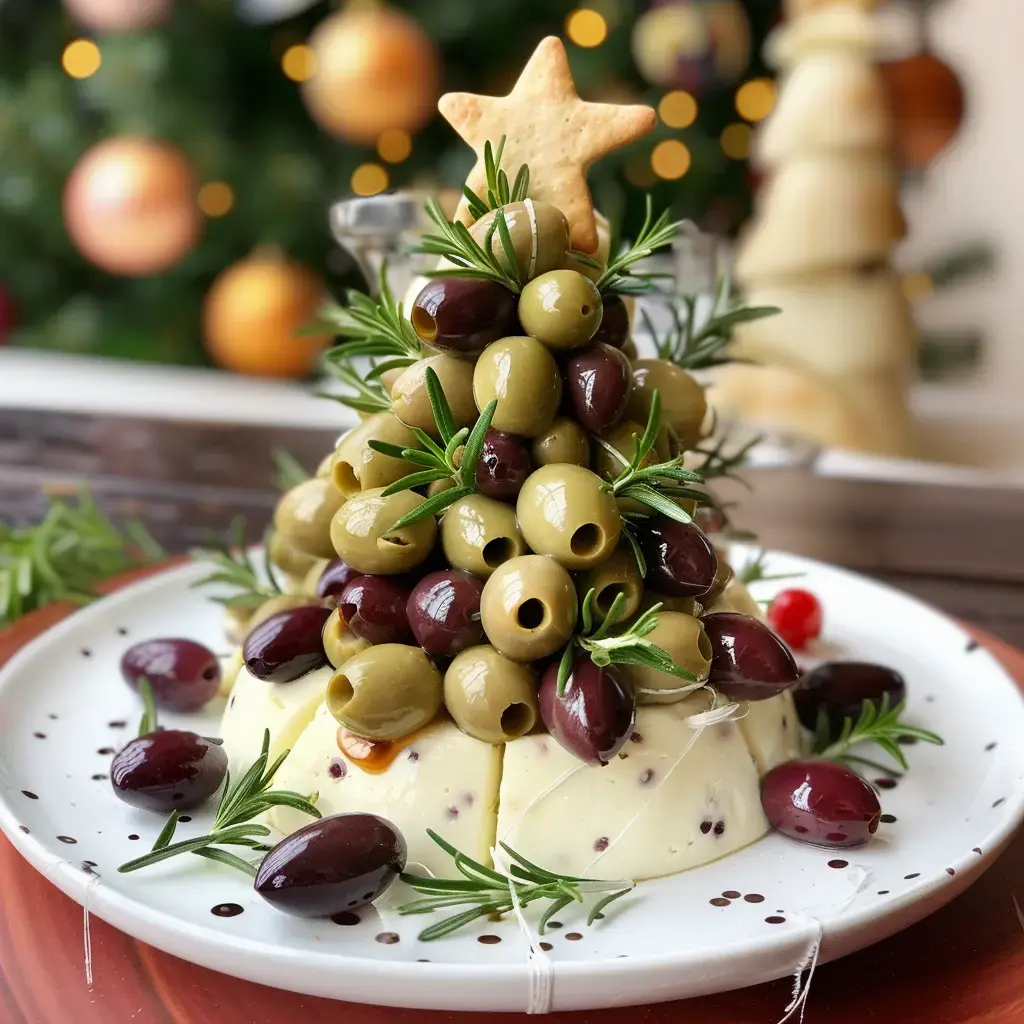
(548, 126)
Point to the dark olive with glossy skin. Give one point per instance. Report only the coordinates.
(168, 770)
(749, 662)
(595, 715)
(184, 675)
(444, 612)
(614, 329)
(336, 576)
(287, 645)
(503, 465)
(680, 560)
(597, 382)
(463, 316)
(373, 607)
(841, 687)
(820, 802)
(710, 519)
(332, 865)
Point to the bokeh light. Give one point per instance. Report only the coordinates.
(755, 99)
(369, 179)
(678, 109)
(299, 62)
(81, 58)
(394, 145)
(586, 27)
(736, 141)
(216, 198)
(670, 159)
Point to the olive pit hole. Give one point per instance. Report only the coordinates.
(345, 478)
(498, 550)
(586, 539)
(531, 613)
(704, 645)
(424, 324)
(339, 693)
(585, 309)
(606, 596)
(516, 720)
(396, 540)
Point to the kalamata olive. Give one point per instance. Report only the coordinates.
(373, 607)
(444, 612)
(680, 560)
(463, 315)
(184, 675)
(614, 329)
(332, 865)
(749, 662)
(595, 715)
(337, 575)
(710, 519)
(841, 687)
(820, 802)
(287, 645)
(168, 770)
(503, 466)
(597, 382)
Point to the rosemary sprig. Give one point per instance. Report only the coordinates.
(719, 462)
(455, 244)
(233, 567)
(456, 460)
(486, 891)
(366, 393)
(148, 723)
(374, 329)
(233, 826)
(290, 472)
(656, 484)
(654, 235)
(696, 345)
(498, 192)
(878, 724)
(754, 569)
(66, 555)
(613, 642)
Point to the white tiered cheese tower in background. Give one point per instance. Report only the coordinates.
(833, 366)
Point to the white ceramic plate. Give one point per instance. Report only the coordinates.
(64, 709)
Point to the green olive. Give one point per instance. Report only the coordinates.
(303, 516)
(618, 574)
(292, 562)
(437, 486)
(630, 351)
(357, 467)
(564, 441)
(528, 607)
(723, 577)
(388, 377)
(623, 438)
(600, 255)
(412, 404)
(312, 577)
(340, 643)
(479, 533)
(362, 532)
(236, 624)
(491, 697)
(523, 376)
(539, 234)
(683, 403)
(229, 672)
(683, 638)
(562, 309)
(564, 511)
(326, 465)
(737, 598)
(686, 605)
(385, 692)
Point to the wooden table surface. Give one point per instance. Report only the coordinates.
(960, 548)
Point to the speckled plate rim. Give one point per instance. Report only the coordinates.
(650, 978)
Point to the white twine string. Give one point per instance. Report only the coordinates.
(541, 984)
(87, 930)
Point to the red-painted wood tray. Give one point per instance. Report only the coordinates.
(963, 964)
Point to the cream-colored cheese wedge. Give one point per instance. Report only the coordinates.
(651, 811)
(441, 779)
(283, 708)
(772, 731)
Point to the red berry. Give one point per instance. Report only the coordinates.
(796, 616)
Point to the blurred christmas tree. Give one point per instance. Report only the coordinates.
(148, 146)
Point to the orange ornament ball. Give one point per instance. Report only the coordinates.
(253, 313)
(118, 15)
(927, 102)
(375, 69)
(129, 206)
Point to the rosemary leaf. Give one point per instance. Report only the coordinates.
(148, 723)
(430, 507)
